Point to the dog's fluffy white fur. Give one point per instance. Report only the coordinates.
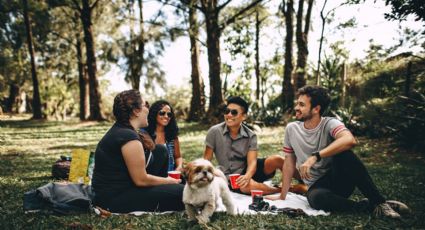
(204, 185)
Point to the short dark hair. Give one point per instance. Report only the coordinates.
(124, 104)
(318, 96)
(239, 101)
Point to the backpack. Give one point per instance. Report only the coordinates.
(60, 169)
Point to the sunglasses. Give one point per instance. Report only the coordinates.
(162, 113)
(234, 112)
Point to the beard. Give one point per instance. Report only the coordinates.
(303, 117)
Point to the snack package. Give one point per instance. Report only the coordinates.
(79, 166)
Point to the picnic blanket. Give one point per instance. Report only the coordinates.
(242, 202)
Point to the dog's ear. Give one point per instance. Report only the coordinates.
(186, 169)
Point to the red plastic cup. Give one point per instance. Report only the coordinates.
(255, 192)
(233, 178)
(174, 174)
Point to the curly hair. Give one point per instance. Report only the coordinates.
(318, 96)
(124, 104)
(171, 130)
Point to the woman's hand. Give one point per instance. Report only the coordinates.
(179, 168)
(171, 180)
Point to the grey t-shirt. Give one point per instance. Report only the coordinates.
(303, 142)
(231, 153)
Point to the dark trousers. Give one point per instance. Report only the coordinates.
(156, 198)
(331, 192)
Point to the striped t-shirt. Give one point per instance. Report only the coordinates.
(303, 142)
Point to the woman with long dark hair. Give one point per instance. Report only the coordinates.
(122, 182)
(164, 130)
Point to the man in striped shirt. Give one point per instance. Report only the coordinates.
(319, 149)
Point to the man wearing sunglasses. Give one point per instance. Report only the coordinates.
(235, 148)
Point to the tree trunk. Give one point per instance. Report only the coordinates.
(197, 103)
(257, 56)
(82, 81)
(322, 16)
(95, 96)
(214, 61)
(141, 43)
(36, 102)
(287, 88)
(13, 93)
(343, 88)
(302, 43)
(408, 82)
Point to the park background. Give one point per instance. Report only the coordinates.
(62, 62)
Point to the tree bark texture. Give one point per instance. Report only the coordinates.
(36, 102)
(323, 17)
(197, 103)
(287, 87)
(82, 81)
(257, 56)
(95, 96)
(302, 43)
(214, 59)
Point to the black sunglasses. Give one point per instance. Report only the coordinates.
(162, 113)
(234, 112)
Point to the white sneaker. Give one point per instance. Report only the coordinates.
(385, 210)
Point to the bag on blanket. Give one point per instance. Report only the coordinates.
(59, 198)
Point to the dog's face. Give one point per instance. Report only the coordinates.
(199, 173)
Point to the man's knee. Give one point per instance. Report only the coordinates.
(318, 198)
(273, 162)
(346, 157)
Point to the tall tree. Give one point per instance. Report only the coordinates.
(287, 87)
(323, 17)
(95, 96)
(257, 56)
(137, 45)
(211, 10)
(36, 103)
(302, 42)
(82, 79)
(197, 103)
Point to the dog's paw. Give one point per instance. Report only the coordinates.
(203, 219)
(231, 211)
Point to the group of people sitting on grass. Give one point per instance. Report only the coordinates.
(133, 158)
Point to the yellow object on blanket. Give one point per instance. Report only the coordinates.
(79, 165)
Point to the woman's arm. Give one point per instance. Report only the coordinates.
(177, 155)
(134, 158)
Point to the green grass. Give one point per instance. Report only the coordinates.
(29, 148)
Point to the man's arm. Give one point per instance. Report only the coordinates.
(344, 140)
(251, 159)
(288, 171)
(287, 174)
(208, 153)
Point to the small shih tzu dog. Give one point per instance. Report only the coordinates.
(204, 185)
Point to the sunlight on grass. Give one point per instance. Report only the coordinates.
(28, 149)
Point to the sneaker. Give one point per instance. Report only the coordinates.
(398, 206)
(385, 210)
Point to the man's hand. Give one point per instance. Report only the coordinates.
(305, 168)
(275, 197)
(243, 181)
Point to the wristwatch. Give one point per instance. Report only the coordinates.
(317, 155)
